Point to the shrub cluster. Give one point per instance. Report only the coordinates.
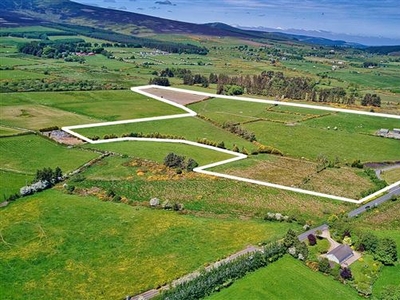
(205, 141)
(178, 162)
(266, 149)
(238, 130)
(379, 183)
(44, 179)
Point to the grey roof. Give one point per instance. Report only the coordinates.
(342, 253)
(304, 235)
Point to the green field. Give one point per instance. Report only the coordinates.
(305, 141)
(287, 129)
(391, 176)
(62, 246)
(140, 181)
(157, 151)
(190, 128)
(28, 153)
(11, 182)
(286, 279)
(79, 108)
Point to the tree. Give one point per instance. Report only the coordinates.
(368, 242)
(323, 265)
(312, 240)
(290, 238)
(386, 251)
(345, 273)
(191, 164)
(173, 160)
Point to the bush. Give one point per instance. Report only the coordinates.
(312, 240)
(324, 265)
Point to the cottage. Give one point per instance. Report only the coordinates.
(340, 254)
(383, 132)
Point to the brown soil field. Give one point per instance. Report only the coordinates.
(182, 98)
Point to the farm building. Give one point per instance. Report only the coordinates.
(340, 254)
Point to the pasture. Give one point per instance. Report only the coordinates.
(286, 278)
(157, 151)
(111, 250)
(344, 181)
(190, 128)
(139, 180)
(43, 109)
(299, 132)
(28, 153)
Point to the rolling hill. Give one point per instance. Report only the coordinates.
(44, 12)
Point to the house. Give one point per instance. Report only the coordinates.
(396, 130)
(383, 132)
(340, 254)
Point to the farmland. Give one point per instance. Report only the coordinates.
(48, 252)
(286, 279)
(94, 235)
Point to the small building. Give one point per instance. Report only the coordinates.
(396, 130)
(340, 254)
(383, 132)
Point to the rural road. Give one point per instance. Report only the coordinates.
(395, 191)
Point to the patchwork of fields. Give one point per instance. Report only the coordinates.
(67, 243)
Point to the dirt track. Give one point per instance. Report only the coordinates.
(182, 98)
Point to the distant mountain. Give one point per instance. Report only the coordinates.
(350, 39)
(39, 12)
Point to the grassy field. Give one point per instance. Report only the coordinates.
(7, 131)
(286, 128)
(140, 181)
(304, 141)
(43, 109)
(344, 181)
(158, 151)
(110, 250)
(28, 153)
(190, 128)
(286, 279)
(11, 182)
(391, 176)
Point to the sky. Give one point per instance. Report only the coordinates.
(375, 18)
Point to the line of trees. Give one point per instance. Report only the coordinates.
(276, 84)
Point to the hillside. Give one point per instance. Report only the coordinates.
(15, 12)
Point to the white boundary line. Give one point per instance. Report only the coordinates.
(237, 156)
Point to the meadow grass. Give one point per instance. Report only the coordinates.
(35, 117)
(344, 181)
(305, 141)
(141, 181)
(6, 131)
(157, 151)
(19, 74)
(189, 127)
(286, 279)
(11, 182)
(99, 105)
(391, 176)
(65, 246)
(28, 153)
(14, 61)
